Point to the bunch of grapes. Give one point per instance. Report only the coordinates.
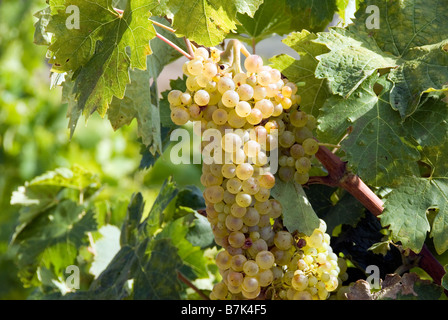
(251, 119)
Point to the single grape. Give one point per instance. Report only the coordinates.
(253, 63)
(225, 84)
(201, 97)
(230, 98)
(310, 146)
(283, 240)
(174, 97)
(180, 115)
(243, 109)
(245, 92)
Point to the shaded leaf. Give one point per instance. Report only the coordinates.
(298, 214)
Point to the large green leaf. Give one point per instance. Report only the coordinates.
(207, 22)
(47, 190)
(103, 49)
(66, 225)
(192, 256)
(429, 124)
(346, 211)
(157, 277)
(315, 91)
(411, 45)
(407, 209)
(298, 214)
(140, 102)
(376, 148)
(284, 16)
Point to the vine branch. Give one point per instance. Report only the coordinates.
(192, 286)
(339, 176)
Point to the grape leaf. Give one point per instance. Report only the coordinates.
(141, 100)
(317, 14)
(315, 92)
(192, 256)
(347, 210)
(100, 53)
(376, 149)
(66, 224)
(429, 124)
(46, 191)
(417, 64)
(406, 210)
(284, 16)
(157, 277)
(298, 214)
(272, 17)
(207, 22)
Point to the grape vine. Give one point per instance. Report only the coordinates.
(321, 171)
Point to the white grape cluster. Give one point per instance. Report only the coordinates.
(257, 115)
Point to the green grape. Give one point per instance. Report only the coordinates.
(265, 277)
(234, 120)
(254, 117)
(299, 282)
(298, 118)
(250, 268)
(266, 107)
(286, 139)
(286, 173)
(310, 146)
(283, 240)
(180, 115)
(301, 134)
(174, 97)
(220, 116)
(244, 171)
(296, 151)
(210, 70)
(235, 278)
(259, 93)
(243, 109)
(223, 259)
(230, 98)
(233, 223)
(238, 211)
(243, 199)
(251, 186)
(201, 97)
(214, 194)
(252, 217)
(265, 259)
(225, 84)
(228, 170)
(301, 178)
(303, 165)
(245, 92)
(237, 262)
(236, 239)
(220, 290)
(253, 63)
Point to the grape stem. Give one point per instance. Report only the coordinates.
(161, 25)
(340, 176)
(174, 46)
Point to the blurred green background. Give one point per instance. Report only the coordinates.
(34, 137)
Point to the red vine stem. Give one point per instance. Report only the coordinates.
(339, 176)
